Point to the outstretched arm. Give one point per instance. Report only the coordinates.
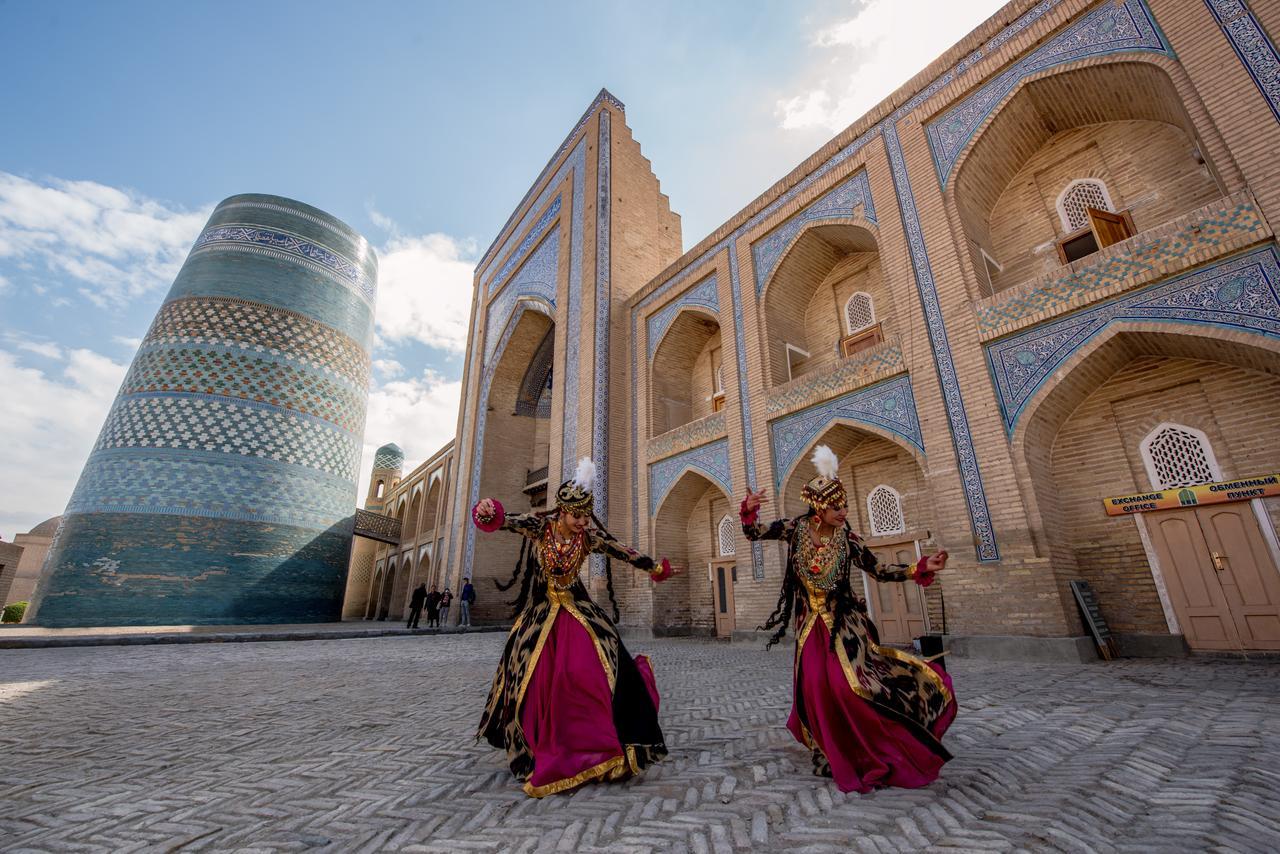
(753, 528)
(489, 516)
(921, 572)
(610, 547)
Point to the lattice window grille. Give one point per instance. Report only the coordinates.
(884, 508)
(859, 312)
(727, 531)
(1176, 455)
(1079, 195)
(719, 380)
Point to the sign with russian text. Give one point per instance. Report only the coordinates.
(1244, 489)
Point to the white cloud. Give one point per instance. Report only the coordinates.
(129, 343)
(49, 423)
(420, 414)
(424, 290)
(389, 368)
(5, 286)
(860, 61)
(119, 244)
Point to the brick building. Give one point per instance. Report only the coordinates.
(1039, 275)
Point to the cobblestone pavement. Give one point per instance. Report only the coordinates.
(353, 745)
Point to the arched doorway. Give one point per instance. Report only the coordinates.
(688, 530)
(891, 509)
(687, 377)
(375, 594)
(1138, 410)
(827, 300)
(388, 583)
(1072, 140)
(514, 466)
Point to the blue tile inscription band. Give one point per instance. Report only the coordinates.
(1252, 45)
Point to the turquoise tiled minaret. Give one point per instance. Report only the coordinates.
(222, 485)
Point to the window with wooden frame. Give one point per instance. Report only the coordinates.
(717, 381)
(1090, 219)
(795, 361)
(860, 324)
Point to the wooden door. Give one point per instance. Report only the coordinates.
(897, 608)
(1109, 227)
(1245, 568)
(1222, 582)
(722, 596)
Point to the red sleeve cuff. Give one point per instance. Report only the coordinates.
(745, 517)
(492, 523)
(663, 572)
(921, 573)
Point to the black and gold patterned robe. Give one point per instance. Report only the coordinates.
(634, 714)
(900, 685)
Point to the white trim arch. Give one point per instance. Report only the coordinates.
(866, 315)
(884, 511)
(1177, 455)
(1061, 205)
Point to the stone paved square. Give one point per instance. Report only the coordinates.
(365, 745)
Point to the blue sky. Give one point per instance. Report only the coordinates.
(421, 124)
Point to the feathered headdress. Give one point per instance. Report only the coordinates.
(825, 490)
(575, 494)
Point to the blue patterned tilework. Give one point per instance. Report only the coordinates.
(129, 569)
(889, 406)
(537, 278)
(291, 247)
(710, 460)
(241, 415)
(842, 201)
(687, 436)
(208, 423)
(1241, 293)
(212, 484)
(1252, 45)
(1113, 27)
(861, 369)
(958, 419)
(604, 308)
(529, 241)
(706, 294)
(259, 377)
(389, 457)
(219, 323)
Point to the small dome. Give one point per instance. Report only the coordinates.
(389, 456)
(47, 528)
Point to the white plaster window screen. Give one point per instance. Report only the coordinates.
(1080, 194)
(859, 312)
(1177, 455)
(884, 509)
(726, 533)
(719, 389)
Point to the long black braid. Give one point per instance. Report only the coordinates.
(608, 567)
(781, 616)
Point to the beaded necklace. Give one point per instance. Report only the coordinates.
(819, 564)
(561, 560)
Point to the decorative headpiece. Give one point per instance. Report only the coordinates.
(825, 490)
(575, 494)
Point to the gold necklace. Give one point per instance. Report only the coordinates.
(561, 559)
(822, 560)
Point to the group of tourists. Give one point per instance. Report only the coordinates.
(570, 705)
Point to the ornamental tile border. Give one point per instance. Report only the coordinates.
(535, 278)
(604, 308)
(687, 436)
(1241, 293)
(288, 247)
(861, 369)
(838, 202)
(705, 294)
(1114, 27)
(710, 460)
(1256, 51)
(1226, 226)
(889, 406)
(530, 239)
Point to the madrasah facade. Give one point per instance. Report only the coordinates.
(1031, 300)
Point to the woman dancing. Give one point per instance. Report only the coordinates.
(568, 704)
(872, 715)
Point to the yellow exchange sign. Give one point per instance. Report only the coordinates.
(1244, 489)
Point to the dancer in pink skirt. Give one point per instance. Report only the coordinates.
(872, 715)
(568, 704)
